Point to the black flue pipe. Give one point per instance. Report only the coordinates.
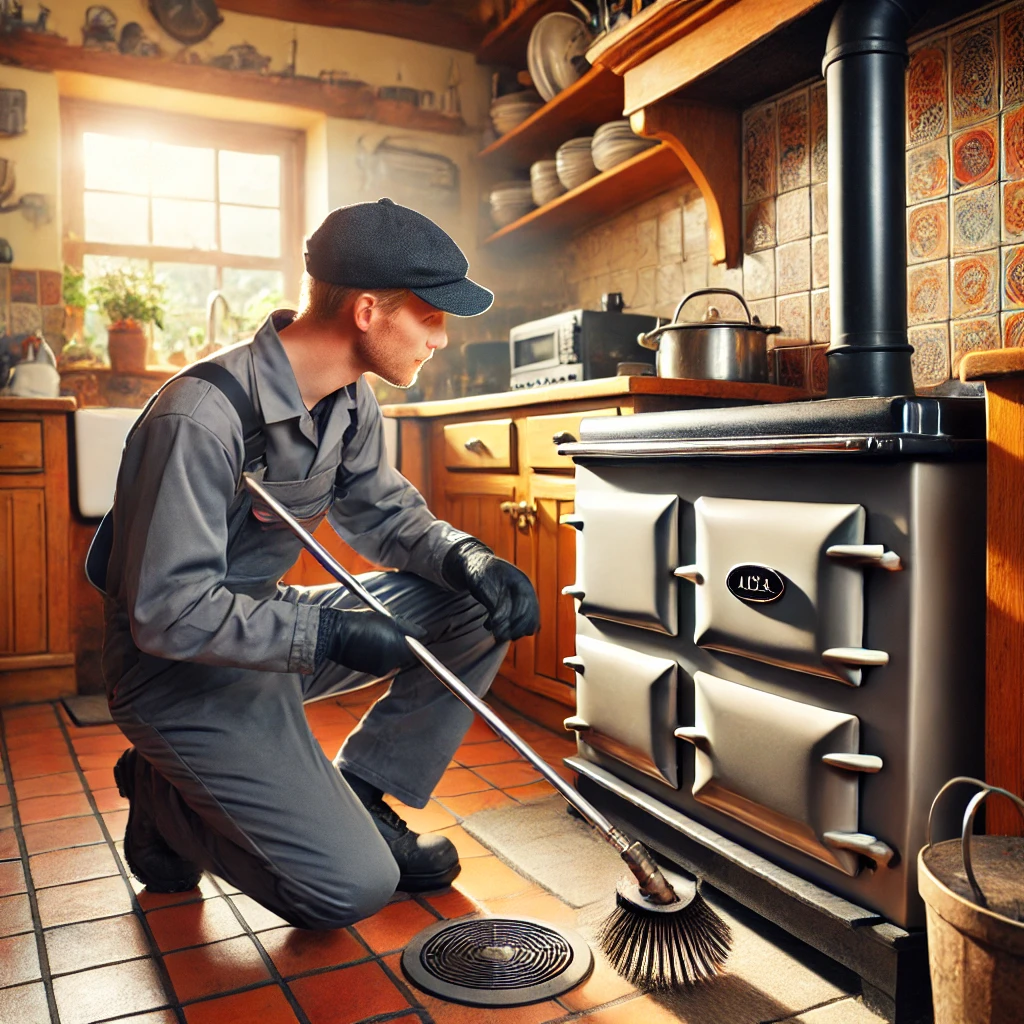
(864, 68)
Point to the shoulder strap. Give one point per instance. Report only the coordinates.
(227, 383)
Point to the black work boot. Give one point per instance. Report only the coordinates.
(149, 857)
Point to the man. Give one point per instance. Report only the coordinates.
(208, 658)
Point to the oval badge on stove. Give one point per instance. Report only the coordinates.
(756, 584)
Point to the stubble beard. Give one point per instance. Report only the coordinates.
(379, 349)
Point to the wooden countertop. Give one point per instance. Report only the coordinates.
(607, 387)
(1000, 362)
(10, 404)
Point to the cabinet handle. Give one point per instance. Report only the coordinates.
(865, 554)
(563, 437)
(858, 657)
(860, 842)
(867, 763)
(521, 512)
(476, 446)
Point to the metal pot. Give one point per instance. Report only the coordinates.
(713, 348)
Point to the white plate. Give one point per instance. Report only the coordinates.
(555, 40)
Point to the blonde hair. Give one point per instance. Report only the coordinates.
(322, 301)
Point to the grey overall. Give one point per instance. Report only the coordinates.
(208, 658)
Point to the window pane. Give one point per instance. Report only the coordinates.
(250, 178)
(184, 224)
(187, 288)
(253, 295)
(182, 172)
(116, 163)
(250, 231)
(116, 218)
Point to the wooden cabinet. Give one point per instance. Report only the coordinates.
(36, 654)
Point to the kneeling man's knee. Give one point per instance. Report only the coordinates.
(359, 894)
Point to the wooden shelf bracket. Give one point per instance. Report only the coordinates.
(707, 140)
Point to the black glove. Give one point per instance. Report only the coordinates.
(365, 640)
(505, 591)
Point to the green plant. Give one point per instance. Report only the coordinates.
(73, 287)
(129, 295)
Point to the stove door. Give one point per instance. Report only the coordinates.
(761, 758)
(767, 588)
(626, 706)
(628, 547)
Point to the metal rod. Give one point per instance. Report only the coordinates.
(445, 675)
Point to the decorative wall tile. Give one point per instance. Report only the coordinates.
(794, 312)
(759, 225)
(819, 261)
(927, 116)
(645, 284)
(819, 133)
(821, 329)
(1013, 277)
(1013, 211)
(928, 232)
(819, 209)
(929, 362)
(793, 267)
(24, 285)
(1013, 143)
(1013, 330)
(695, 273)
(974, 285)
(818, 369)
(794, 129)
(695, 225)
(53, 325)
(928, 171)
(975, 216)
(50, 290)
(975, 159)
(974, 74)
(764, 312)
(928, 293)
(973, 336)
(759, 153)
(647, 242)
(670, 235)
(1012, 36)
(759, 275)
(793, 215)
(791, 365)
(25, 318)
(668, 288)
(5, 287)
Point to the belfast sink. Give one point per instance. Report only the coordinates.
(99, 439)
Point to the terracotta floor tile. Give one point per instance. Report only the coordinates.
(25, 1004)
(496, 752)
(426, 819)
(642, 1009)
(104, 992)
(6, 816)
(486, 878)
(48, 785)
(528, 794)
(603, 985)
(41, 741)
(469, 804)
(453, 904)
(114, 743)
(5, 796)
(19, 959)
(9, 848)
(90, 762)
(58, 835)
(535, 902)
(466, 845)
(50, 808)
(393, 927)
(479, 732)
(256, 916)
(348, 994)
(40, 764)
(12, 878)
(154, 1017)
(83, 901)
(99, 778)
(514, 773)
(458, 781)
(15, 915)
(109, 800)
(219, 967)
(225, 886)
(297, 950)
(78, 947)
(24, 717)
(60, 867)
(115, 822)
(156, 900)
(192, 924)
(266, 1005)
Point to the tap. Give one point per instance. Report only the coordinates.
(211, 316)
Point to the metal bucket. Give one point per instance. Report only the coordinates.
(973, 890)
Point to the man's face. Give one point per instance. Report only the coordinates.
(394, 346)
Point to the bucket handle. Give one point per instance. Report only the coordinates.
(967, 831)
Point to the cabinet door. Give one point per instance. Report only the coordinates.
(22, 571)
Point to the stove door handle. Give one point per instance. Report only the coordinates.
(575, 724)
(865, 554)
(574, 591)
(859, 657)
(571, 519)
(693, 735)
(867, 763)
(860, 842)
(574, 662)
(689, 572)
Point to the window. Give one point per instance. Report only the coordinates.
(207, 205)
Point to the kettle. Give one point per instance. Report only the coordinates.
(36, 375)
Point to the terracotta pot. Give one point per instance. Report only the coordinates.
(127, 346)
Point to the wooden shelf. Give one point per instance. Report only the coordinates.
(588, 102)
(506, 44)
(356, 100)
(641, 177)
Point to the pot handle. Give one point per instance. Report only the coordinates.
(650, 339)
(712, 291)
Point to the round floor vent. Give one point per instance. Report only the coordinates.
(496, 961)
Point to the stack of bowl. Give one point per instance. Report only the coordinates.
(544, 181)
(512, 109)
(615, 142)
(509, 201)
(574, 163)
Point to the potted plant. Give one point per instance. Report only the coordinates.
(74, 304)
(129, 299)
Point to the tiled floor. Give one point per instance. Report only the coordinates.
(80, 942)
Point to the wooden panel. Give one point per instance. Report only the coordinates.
(58, 533)
(506, 44)
(21, 444)
(21, 685)
(541, 449)
(22, 572)
(484, 444)
(308, 572)
(414, 454)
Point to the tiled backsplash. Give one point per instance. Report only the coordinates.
(31, 302)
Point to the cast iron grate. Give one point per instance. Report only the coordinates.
(496, 961)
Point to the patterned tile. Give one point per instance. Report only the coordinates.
(26, 317)
(975, 216)
(764, 310)
(759, 225)
(930, 360)
(818, 369)
(819, 209)
(1013, 330)
(928, 232)
(791, 365)
(974, 75)
(5, 287)
(1013, 277)
(821, 330)
(1013, 211)
(24, 285)
(972, 336)
(974, 284)
(975, 159)
(927, 116)
(794, 128)
(759, 153)
(928, 171)
(794, 312)
(928, 293)
(1012, 36)
(1013, 143)
(759, 275)
(53, 325)
(819, 133)
(793, 215)
(793, 267)
(50, 290)
(819, 261)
